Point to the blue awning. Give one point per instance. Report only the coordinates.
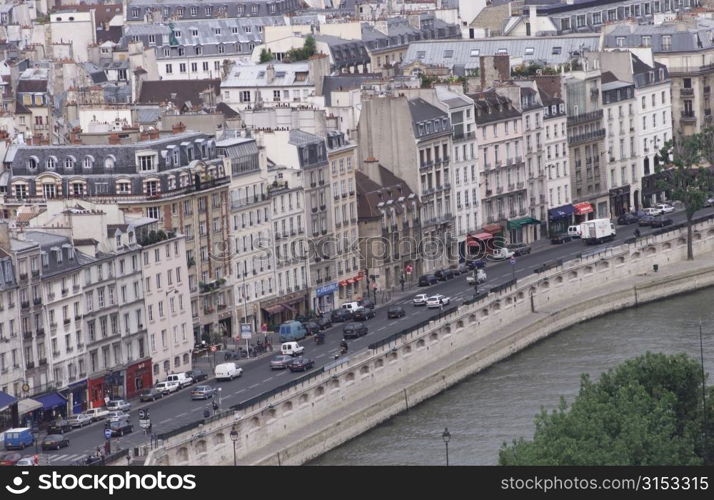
(561, 212)
(6, 400)
(51, 400)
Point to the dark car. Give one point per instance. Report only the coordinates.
(151, 395)
(646, 220)
(476, 264)
(627, 218)
(59, 427)
(120, 427)
(354, 330)
(10, 458)
(396, 312)
(519, 249)
(340, 315)
(324, 322)
(302, 318)
(54, 442)
(449, 274)
(368, 303)
(300, 364)
(197, 375)
(661, 222)
(362, 314)
(428, 279)
(440, 275)
(558, 239)
(311, 327)
(280, 361)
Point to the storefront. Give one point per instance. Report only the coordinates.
(96, 391)
(285, 308)
(77, 396)
(325, 298)
(54, 405)
(477, 245)
(25, 409)
(523, 230)
(619, 201)
(8, 411)
(559, 219)
(583, 211)
(138, 377)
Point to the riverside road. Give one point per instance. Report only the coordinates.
(178, 409)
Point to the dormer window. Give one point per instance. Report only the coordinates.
(69, 162)
(146, 162)
(109, 162)
(88, 161)
(32, 162)
(51, 163)
(45, 259)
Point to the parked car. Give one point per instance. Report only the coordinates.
(709, 202)
(476, 264)
(428, 279)
(27, 461)
(18, 438)
(627, 218)
(574, 231)
(351, 306)
(477, 276)
(420, 299)
(117, 415)
(280, 361)
(300, 364)
(341, 315)
(202, 392)
(646, 220)
(311, 327)
(437, 301)
(120, 427)
(167, 387)
(651, 211)
(59, 426)
(519, 249)
(561, 238)
(354, 330)
(362, 314)
(664, 208)
(396, 312)
(10, 458)
(501, 253)
(151, 394)
(463, 268)
(325, 322)
(292, 330)
(441, 275)
(96, 413)
(661, 222)
(119, 404)
(80, 420)
(54, 442)
(367, 303)
(182, 378)
(197, 375)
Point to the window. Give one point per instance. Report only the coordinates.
(646, 41)
(557, 50)
(169, 69)
(620, 41)
(182, 68)
(666, 42)
(474, 53)
(529, 51)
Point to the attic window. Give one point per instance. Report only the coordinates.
(475, 52)
(529, 51)
(448, 54)
(234, 30)
(502, 51)
(194, 32)
(556, 50)
(421, 54)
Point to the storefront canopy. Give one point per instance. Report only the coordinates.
(27, 405)
(493, 228)
(483, 236)
(51, 400)
(515, 224)
(273, 309)
(561, 212)
(6, 400)
(583, 208)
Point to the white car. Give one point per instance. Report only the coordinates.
(25, 461)
(118, 404)
(664, 208)
(437, 301)
(420, 300)
(167, 387)
(97, 413)
(651, 211)
(117, 415)
(80, 419)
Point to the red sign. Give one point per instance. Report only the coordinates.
(343, 283)
(214, 348)
(408, 268)
(374, 285)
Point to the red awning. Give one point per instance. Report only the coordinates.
(493, 228)
(483, 236)
(472, 243)
(583, 208)
(351, 280)
(343, 283)
(358, 277)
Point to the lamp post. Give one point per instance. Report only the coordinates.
(234, 438)
(446, 436)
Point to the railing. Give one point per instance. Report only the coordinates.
(686, 92)
(688, 116)
(587, 137)
(464, 137)
(585, 117)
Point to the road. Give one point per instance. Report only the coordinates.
(177, 409)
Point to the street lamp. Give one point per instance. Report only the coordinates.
(446, 436)
(234, 438)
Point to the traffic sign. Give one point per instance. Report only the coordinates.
(513, 260)
(214, 348)
(107, 433)
(142, 415)
(145, 423)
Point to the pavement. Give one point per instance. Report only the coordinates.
(178, 409)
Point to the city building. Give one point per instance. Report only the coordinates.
(152, 11)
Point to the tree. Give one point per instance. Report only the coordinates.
(266, 56)
(646, 411)
(682, 177)
(305, 52)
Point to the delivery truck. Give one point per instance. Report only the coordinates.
(597, 231)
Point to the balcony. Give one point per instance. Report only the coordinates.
(587, 137)
(707, 89)
(25, 304)
(43, 361)
(464, 137)
(30, 365)
(35, 273)
(37, 301)
(40, 332)
(65, 291)
(499, 189)
(67, 321)
(23, 277)
(686, 92)
(585, 117)
(426, 164)
(688, 116)
(27, 335)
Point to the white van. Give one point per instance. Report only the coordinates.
(182, 379)
(227, 371)
(351, 306)
(574, 232)
(291, 348)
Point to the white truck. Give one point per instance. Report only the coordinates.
(476, 276)
(597, 231)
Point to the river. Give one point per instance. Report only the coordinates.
(499, 404)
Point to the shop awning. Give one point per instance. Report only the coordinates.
(561, 212)
(492, 228)
(483, 236)
(289, 308)
(27, 405)
(273, 309)
(516, 223)
(472, 243)
(6, 400)
(583, 208)
(51, 400)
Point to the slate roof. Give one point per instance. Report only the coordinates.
(385, 187)
(427, 119)
(683, 37)
(255, 75)
(349, 81)
(226, 110)
(160, 91)
(491, 107)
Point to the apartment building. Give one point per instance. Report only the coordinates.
(12, 370)
(148, 11)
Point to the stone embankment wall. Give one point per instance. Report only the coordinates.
(314, 416)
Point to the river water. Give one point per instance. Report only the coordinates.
(499, 404)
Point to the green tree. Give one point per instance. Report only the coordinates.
(682, 177)
(646, 411)
(305, 52)
(266, 56)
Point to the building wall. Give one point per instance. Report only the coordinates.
(75, 27)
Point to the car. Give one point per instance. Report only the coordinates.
(280, 361)
(709, 202)
(59, 426)
(10, 458)
(396, 312)
(120, 427)
(181, 377)
(202, 392)
(476, 264)
(324, 322)
(118, 405)
(574, 232)
(340, 315)
(151, 394)
(367, 303)
(54, 442)
(437, 301)
(627, 218)
(27, 461)
(197, 375)
(291, 349)
(303, 318)
(354, 330)
(351, 306)
(117, 415)
(227, 371)
(519, 249)
(650, 211)
(664, 208)
(646, 220)
(420, 299)
(362, 314)
(558, 239)
(449, 273)
(440, 275)
(80, 420)
(661, 222)
(311, 327)
(96, 413)
(463, 268)
(428, 279)
(167, 387)
(300, 364)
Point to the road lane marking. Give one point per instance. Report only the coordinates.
(380, 329)
(182, 414)
(197, 409)
(165, 421)
(320, 356)
(268, 379)
(253, 386)
(280, 373)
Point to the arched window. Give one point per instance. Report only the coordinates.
(32, 163)
(109, 162)
(88, 161)
(69, 162)
(51, 162)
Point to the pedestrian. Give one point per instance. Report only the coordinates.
(637, 232)
(401, 282)
(106, 399)
(99, 452)
(441, 304)
(269, 346)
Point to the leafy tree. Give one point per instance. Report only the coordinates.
(646, 411)
(683, 178)
(305, 52)
(266, 56)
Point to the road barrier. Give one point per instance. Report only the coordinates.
(260, 397)
(503, 286)
(422, 324)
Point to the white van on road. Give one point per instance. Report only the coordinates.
(227, 371)
(182, 379)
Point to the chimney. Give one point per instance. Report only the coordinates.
(270, 73)
(114, 139)
(153, 134)
(178, 128)
(144, 136)
(318, 67)
(5, 236)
